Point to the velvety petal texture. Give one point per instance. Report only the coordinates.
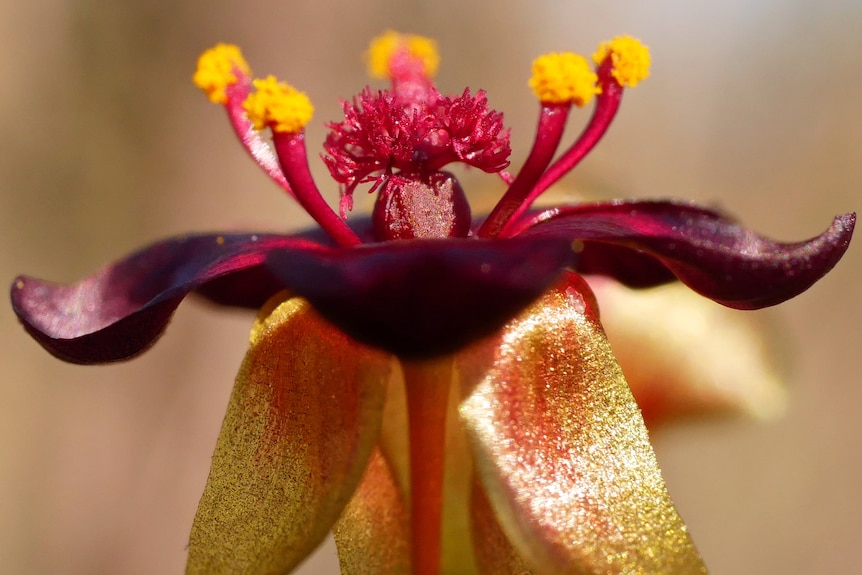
(562, 450)
(707, 251)
(421, 298)
(416, 298)
(119, 311)
(300, 428)
(685, 357)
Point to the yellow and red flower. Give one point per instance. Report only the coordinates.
(436, 388)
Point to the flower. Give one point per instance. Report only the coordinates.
(476, 335)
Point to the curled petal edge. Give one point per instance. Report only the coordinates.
(121, 310)
(707, 251)
(416, 298)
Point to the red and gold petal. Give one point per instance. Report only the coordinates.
(684, 356)
(561, 447)
(373, 533)
(301, 425)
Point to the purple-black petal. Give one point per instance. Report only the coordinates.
(121, 310)
(709, 252)
(420, 298)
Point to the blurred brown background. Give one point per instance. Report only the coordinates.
(106, 145)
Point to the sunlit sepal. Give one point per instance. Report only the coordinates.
(373, 532)
(562, 450)
(684, 356)
(301, 425)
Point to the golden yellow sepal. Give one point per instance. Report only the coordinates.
(562, 78)
(630, 59)
(279, 106)
(384, 47)
(217, 68)
(302, 423)
(562, 450)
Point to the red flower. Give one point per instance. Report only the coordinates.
(553, 430)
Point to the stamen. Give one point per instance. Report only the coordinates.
(218, 68)
(409, 62)
(563, 78)
(630, 60)
(552, 122)
(286, 111)
(623, 61)
(279, 106)
(225, 77)
(387, 46)
(559, 80)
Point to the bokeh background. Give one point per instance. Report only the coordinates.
(106, 145)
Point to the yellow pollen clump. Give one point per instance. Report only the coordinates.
(629, 58)
(562, 78)
(279, 106)
(217, 69)
(384, 47)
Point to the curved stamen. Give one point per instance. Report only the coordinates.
(607, 105)
(251, 140)
(225, 77)
(286, 111)
(552, 122)
(291, 151)
(622, 62)
(559, 80)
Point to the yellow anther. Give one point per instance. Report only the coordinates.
(629, 58)
(217, 68)
(565, 77)
(279, 106)
(388, 44)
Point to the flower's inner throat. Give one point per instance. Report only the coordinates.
(399, 140)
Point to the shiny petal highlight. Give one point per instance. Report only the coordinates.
(562, 450)
(301, 425)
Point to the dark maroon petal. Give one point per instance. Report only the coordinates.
(707, 251)
(122, 309)
(420, 298)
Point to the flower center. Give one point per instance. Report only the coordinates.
(399, 140)
(421, 206)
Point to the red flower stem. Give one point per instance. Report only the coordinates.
(607, 105)
(552, 122)
(292, 156)
(427, 384)
(251, 140)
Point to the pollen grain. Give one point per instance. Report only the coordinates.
(217, 69)
(386, 46)
(279, 106)
(630, 59)
(565, 77)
